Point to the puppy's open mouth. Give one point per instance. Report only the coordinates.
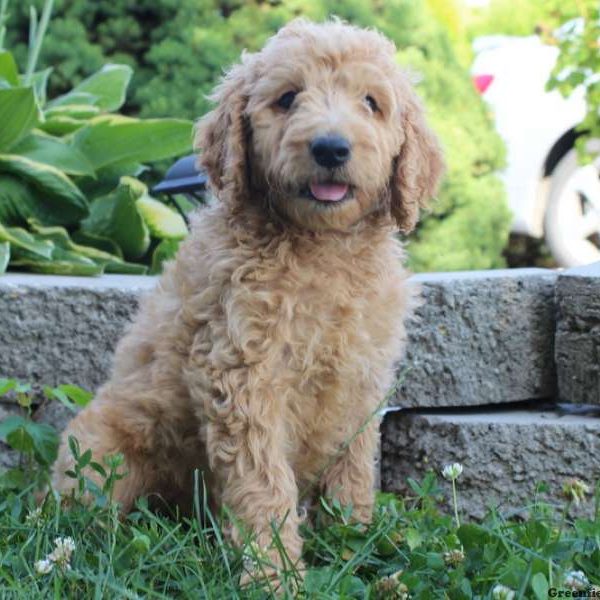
(328, 192)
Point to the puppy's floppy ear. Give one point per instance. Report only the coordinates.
(221, 136)
(418, 167)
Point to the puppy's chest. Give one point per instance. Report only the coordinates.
(309, 324)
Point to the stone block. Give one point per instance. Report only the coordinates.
(480, 337)
(64, 329)
(577, 351)
(504, 454)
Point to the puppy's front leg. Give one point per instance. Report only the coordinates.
(246, 448)
(350, 479)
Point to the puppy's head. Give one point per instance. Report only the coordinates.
(324, 126)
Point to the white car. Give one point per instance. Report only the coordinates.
(550, 194)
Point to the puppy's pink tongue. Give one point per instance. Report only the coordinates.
(328, 192)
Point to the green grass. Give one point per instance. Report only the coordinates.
(411, 549)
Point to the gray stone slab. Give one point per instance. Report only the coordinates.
(481, 337)
(577, 350)
(57, 330)
(504, 454)
(478, 335)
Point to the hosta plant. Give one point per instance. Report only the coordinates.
(70, 201)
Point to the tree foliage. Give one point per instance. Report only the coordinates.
(578, 65)
(522, 18)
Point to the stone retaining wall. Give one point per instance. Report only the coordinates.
(478, 337)
(486, 352)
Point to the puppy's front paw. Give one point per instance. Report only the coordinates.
(274, 580)
(270, 570)
(362, 514)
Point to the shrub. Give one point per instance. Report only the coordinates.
(179, 49)
(468, 225)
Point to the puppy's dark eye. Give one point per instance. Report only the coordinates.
(372, 103)
(286, 100)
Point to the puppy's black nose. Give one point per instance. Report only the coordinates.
(330, 150)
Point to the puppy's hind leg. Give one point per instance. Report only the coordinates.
(94, 429)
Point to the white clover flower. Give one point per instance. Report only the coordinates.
(575, 490)
(391, 587)
(453, 558)
(63, 549)
(253, 556)
(452, 472)
(60, 556)
(576, 580)
(34, 517)
(402, 592)
(43, 567)
(502, 592)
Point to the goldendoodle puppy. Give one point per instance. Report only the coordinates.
(270, 341)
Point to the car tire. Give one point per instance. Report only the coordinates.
(572, 220)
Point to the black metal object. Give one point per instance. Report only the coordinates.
(185, 178)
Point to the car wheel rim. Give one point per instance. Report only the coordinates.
(579, 212)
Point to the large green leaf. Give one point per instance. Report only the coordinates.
(55, 152)
(20, 202)
(8, 69)
(163, 222)
(166, 250)
(17, 203)
(18, 114)
(112, 139)
(74, 111)
(62, 200)
(40, 85)
(60, 238)
(74, 98)
(107, 179)
(62, 262)
(116, 216)
(62, 125)
(4, 256)
(126, 268)
(97, 241)
(22, 241)
(106, 89)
